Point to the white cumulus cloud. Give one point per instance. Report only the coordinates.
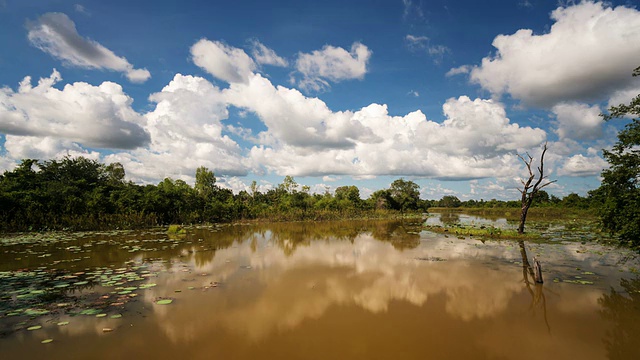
(225, 62)
(265, 55)
(186, 132)
(332, 64)
(305, 138)
(588, 54)
(44, 148)
(295, 119)
(578, 121)
(580, 165)
(95, 116)
(623, 96)
(56, 34)
(464, 69)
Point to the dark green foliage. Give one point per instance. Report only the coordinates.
(449, 201)
(619, 193)
(575, 201)
(83, 194)
(348, 197)
(542, 199)
(405, 195)
(380, 200)
(205, 182)
(60, 194)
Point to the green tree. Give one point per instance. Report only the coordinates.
(449, 201)
(288, 185)
(254, 188)
(574, 200)
(115, 173)
(405, 195)
(349, 196)
(173, 200)
(541, 198)
(380, 200)
(205, 182)
(619, 192)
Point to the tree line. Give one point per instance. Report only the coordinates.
(84, 194)
(541, 199)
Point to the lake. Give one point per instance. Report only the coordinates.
(331, 290)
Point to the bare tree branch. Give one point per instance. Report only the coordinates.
(529, 191)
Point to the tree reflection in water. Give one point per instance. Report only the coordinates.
(450, 218)
(623, 310)
(536, 290)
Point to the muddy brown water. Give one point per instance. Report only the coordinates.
(335, 290)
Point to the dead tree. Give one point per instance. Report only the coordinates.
(531, 188)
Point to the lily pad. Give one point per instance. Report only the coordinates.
(36, 327)
(90, 312)
(63, 323)
(580, 282)
(36, 312)
(164, 302)
(116, 316)
(46, 341)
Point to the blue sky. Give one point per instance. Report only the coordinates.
(444, 93)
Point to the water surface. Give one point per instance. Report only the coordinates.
(337, 290)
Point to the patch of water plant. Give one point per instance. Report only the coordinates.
(57, 275)
(577, 229)
(31, 294)
(483, 231)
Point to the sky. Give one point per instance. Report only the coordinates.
(443, 93)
